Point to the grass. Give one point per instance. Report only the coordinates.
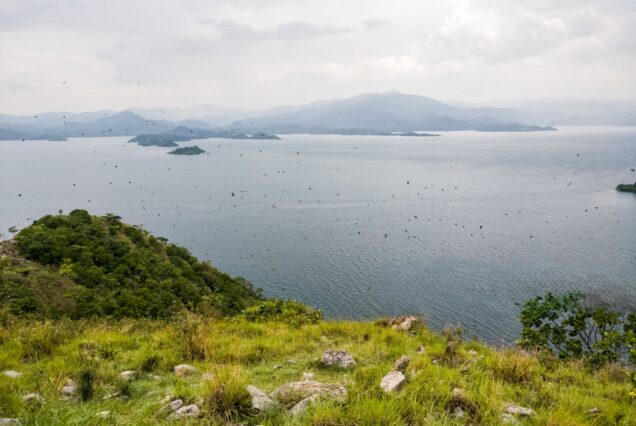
(236, 353)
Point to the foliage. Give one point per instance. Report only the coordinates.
(287, 311)
(84, 266)
(187, 150)
(626, 187)
(242, 352)
(572, 329)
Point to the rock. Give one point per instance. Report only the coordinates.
(69, 389)
(421, 349)
(402, 363)
(405, 323)
(277, 367)
(128, 375)
(594, 411)
(296, 391)
(9, 421)
(187, 411)
(459, 394)
(33, 398)
(458, 412)
(308, 376)
(184, 370)
(393, 382)
(518, 410)
(341, 359)
(301, 406)
(260, 400)
(12, 374)
(103, 414)
(509, 419)
(170, 407)
(472, 352)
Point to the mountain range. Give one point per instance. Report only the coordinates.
(377, 113)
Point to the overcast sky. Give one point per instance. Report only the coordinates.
(79, 55)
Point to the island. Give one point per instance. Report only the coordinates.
(514, 127)
(415, 134)
(627, 187)
(153, 140)
(187, 150)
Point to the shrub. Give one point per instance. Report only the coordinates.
(85, 383)
(192, 332)
(226, 396)
(515, 366)
(567, 326)
(287, 311)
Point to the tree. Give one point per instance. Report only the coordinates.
(569, 327)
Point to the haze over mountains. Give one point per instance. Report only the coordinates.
(380, 112)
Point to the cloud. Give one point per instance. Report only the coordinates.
(291, 31)
(375, 23)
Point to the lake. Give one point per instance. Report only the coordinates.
(458, 228)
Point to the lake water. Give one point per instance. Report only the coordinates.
(458, 228)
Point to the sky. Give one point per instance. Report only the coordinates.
(84, 55)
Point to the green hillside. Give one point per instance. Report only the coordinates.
(78, 265)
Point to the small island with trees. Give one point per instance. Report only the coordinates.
(627, 187)
(187, 150)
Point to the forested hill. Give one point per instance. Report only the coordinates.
(79, 265)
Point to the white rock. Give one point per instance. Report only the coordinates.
(594, 410)
(260, 400)
(33, 397)
(103, 414)
(277, 367)
(184, 370)
(518, 410)
(301, 406)
(9, 421)
(404, 323)
(509, 419)
(170, 407)
(12, 374)
(69, 389)
(342, 359)
(458, 412)
(393, 382)
(402, 363)
(187, 411)
(128, 375)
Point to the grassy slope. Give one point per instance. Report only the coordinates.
(239, 353)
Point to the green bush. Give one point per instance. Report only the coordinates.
(287, 311)
(570, 328)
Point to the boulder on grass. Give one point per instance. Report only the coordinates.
(291, 393)
(260, 400)
(184, 370)
(341, 359)
(393, 382)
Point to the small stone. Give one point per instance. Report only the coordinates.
(594, 410)
(472, 352)
(421, 349)
(277, 367)
(404, 323)
(69, 389)
(518, 410)
(393, 382)
(184, 370)
(128, 375)
(103, 414)
(170, 407)
(301, 406)
(12, 374)
(260, 400)
(296, 391)
(33, 398)
(402, 363)
(459, 394)
(509, 419)
(341, 359)
(458, 412)
(308, 376)
(187, 411)
(9, 421)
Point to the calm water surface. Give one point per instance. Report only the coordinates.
(458, 228)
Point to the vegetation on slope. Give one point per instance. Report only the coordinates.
(78, 265)
(187, 150)
(236, 353)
